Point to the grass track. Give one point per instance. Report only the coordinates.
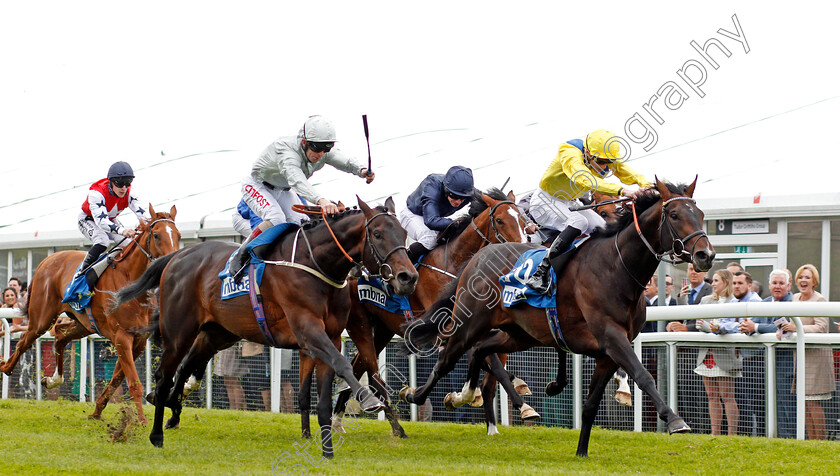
(58, 438)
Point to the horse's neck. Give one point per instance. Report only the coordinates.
(455, 254)
(634, 253)
(135, 261)
(325, 249)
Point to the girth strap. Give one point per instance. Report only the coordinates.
(92, 320)
(554, 325)
(256, 305)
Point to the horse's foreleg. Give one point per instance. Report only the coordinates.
(307, 365)
(324, 376)
(560, 382)
(124, 343)
(604, 369)
(621, 352)
(117, 379)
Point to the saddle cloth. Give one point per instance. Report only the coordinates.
(381, 295)
(77, 293)
(514, 290)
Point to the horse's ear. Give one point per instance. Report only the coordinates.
(663, 189)
(151, 210)
(489, 201)
(511, 197)
(689, 191)
(364, 206)
(172, 212)
(389, 205)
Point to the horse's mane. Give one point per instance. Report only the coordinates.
(477, 206)
(315, 222)
(645, 200)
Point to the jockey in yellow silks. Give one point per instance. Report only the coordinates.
(579, 167)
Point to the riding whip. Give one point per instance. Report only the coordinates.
(367, 138)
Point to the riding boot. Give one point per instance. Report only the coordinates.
(541, 279)
(415, 251)
(239, 261)
(91, 258)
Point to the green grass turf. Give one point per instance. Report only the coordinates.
(58, 438)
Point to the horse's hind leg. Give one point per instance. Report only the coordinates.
(622, 393)
(604, 369)
(124, 343)
(307, 365)
(40, 321)
(64, 334)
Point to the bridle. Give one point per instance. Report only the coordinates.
(678, 253)
(386, 273)
(135, 241)
(492, 225)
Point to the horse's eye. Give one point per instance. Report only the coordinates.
(500, 221)
(674, 216)
(377, 234)
(157, 237)
(604, 214)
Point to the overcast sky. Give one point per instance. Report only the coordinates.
(496, 86)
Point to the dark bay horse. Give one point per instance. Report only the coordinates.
(621, 258)
(493, 218)
(123, 327)
(305, 304)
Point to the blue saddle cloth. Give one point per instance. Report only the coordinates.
(514, 290)
(77, 293)
(231, 289)
(381, 295)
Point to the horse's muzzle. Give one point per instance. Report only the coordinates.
(405, 282)
(703, 259)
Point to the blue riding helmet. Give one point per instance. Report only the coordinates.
(459, 180)
(120, 169)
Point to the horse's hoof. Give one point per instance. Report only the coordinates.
(144, 422)
(492, 430)
(528, 413)
(157, 440)
(553, 388)
(400, 433)
(521, 387)
(678, 425)
(624, 398)
(305, 434)
(372, 405)
(405, 392)
(95, 416)
(342, 386)
(447, 401)
(169, 424)
(479, 400)
(150, 397)
(338, 427)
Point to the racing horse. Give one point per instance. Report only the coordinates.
(303, 295)
(620, 258)
(123, 326)
(493, 217)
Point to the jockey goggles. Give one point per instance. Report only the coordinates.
(121, 182)
(320, 146)
(455, 196)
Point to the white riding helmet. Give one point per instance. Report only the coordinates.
(318, 129)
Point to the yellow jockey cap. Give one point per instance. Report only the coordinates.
(603, 144)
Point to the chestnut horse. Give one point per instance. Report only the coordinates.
(620, 259)
(123, 327)
(493, 218)
(305, 303)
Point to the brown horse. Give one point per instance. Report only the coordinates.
(493, 218)
(122, 327)
(305, 304)
(601, 326)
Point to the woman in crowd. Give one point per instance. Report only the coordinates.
(720, 366)
(819, 372)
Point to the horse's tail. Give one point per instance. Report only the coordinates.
(149, 280)
(424, 332)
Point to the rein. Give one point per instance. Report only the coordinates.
(135, 241)
(380, 260)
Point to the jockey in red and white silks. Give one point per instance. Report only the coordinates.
(106, 199)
